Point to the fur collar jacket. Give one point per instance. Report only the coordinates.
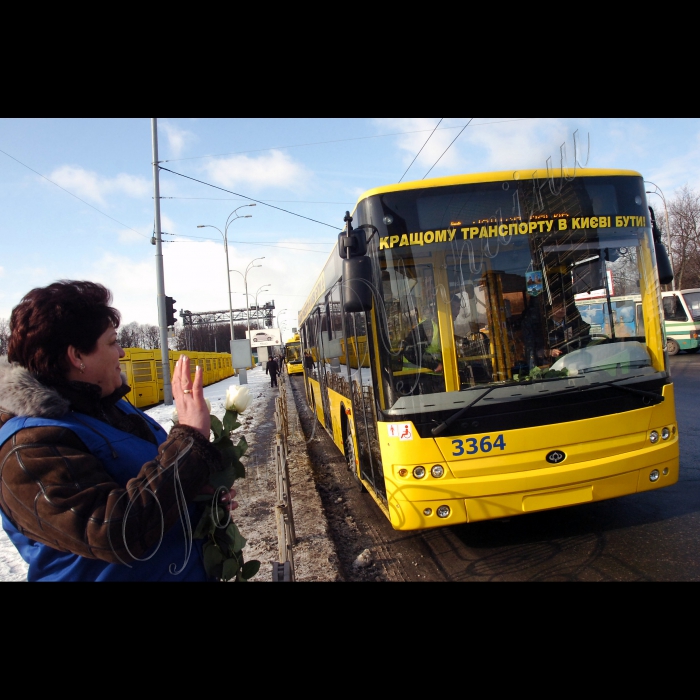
(52, 486)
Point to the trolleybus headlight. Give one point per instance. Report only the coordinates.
(443, 511)
(388, 220)
(419, 472)
(437, 471)
(427, 511)
(653, 437)
(665, 433)
(654, 476)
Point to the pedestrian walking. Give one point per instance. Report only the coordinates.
(273, 370)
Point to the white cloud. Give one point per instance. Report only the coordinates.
(178, 139)
(128, 236)
(91, 186)
(496, 146)
(273, 169)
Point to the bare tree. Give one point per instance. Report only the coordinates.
(684, 215)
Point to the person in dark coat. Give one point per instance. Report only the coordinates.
(92, 488)
(548, 334)
(273, 369)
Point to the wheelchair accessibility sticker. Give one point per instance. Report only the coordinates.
(402, 431)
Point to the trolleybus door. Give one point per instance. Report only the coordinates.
(357, 332)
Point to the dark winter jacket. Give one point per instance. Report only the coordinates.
(89, 485)
(272, 367)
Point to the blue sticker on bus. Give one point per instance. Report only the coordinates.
(474, 446)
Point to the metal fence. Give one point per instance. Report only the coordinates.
(283, 569)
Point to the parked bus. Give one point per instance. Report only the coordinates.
(293, 355)
(681, 310)
(682, 320)
(482, 392)
(144, 371)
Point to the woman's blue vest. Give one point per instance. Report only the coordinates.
(175, 558)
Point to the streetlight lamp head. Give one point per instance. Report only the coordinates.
(247, 216)
(201, 226)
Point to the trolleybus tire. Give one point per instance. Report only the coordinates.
(672, 347)
(350, 460)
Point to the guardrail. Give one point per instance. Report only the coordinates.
(283, 570)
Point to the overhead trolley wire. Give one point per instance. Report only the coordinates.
(250, 199)
(323, 143)
(422, 147)
(74, 195)
(448, 148)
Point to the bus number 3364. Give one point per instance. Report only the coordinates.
(484, 445)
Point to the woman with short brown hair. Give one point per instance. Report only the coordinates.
(91, 488)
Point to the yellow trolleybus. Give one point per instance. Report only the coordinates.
(293, 356)
(481, 391)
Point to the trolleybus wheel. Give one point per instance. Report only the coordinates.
(350, 460)
(672, 347)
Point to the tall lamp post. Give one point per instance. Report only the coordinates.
(244, 275)
(224, 235)
(257, 308)
(657, 191)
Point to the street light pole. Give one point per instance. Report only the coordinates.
(245, 283)
(224, 235)
(160, 275)
(257, 308)
(660, 193)
(243, 377)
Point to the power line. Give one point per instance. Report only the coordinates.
(250, 199)
(238, 199)
(72, 195)
(421, 148)
(448, 148)
(264, 245)
(323, 143)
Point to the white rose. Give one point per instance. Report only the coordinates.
(208, 403)
(238, 398)
(175, 418)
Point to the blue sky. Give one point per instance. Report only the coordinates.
(314, 167)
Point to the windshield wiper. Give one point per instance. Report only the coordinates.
(440, 428)
(657, 398)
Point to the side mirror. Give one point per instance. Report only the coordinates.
(352, 242)
(357, 284)
(663, 262)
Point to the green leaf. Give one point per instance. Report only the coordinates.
(224, 478)
(213, 558)
(204, 526)
(236, 540)
(242, 446)
(231, 421)
(229, 454)
(230, 569)
(240, 470)
(250, 568)
(216, 426)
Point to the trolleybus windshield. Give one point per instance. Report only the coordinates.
(480, 284)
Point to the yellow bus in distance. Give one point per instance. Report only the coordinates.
(293, 355)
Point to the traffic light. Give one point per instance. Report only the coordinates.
(170, 311)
